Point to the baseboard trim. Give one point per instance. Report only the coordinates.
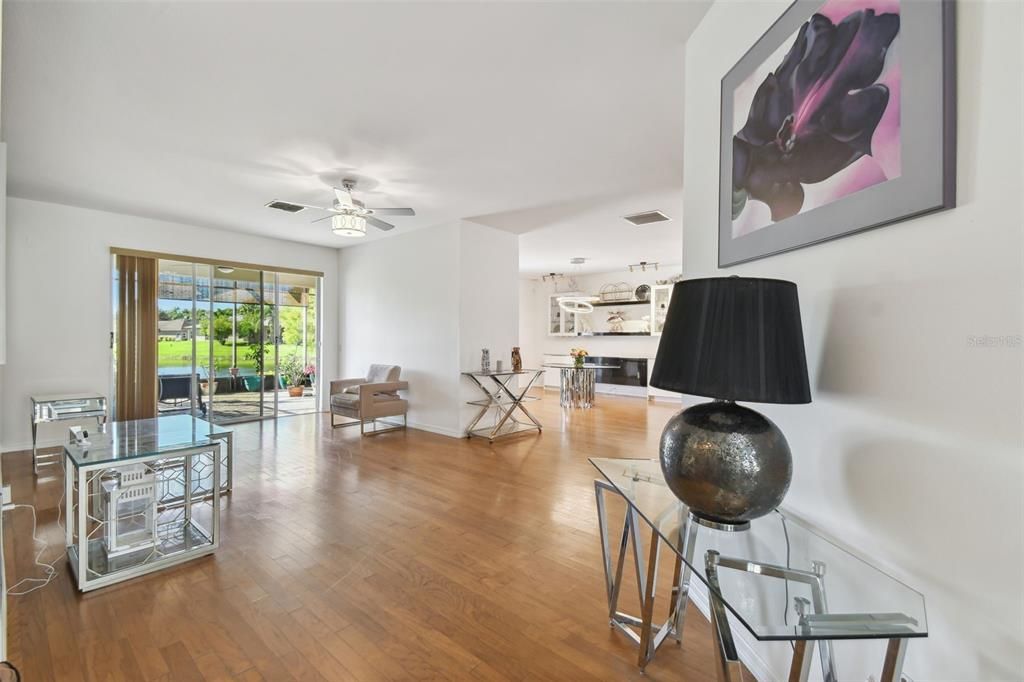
(25, 448)
(439, 430)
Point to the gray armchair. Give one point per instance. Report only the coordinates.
(368, 399)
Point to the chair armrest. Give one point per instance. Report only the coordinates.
(383, 387)
(339, 385)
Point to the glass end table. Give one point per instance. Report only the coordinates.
(62, 407)
(143, 495)
(779, 578)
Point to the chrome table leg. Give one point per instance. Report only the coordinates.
(729, 667)
(647, 608)
(639, 629)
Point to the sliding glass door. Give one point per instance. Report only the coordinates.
(235, 343)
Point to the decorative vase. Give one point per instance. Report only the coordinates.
(517, 360)
(578, 360)
(485, 360)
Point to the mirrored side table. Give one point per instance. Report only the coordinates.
(68, 407)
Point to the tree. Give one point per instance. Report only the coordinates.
(221, 325)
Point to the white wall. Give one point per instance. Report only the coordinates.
(60, 296)
(399, 305)
(911, 451)
(488, 303)
(429, 301)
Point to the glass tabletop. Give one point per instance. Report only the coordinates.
(53, 407)
(858, 601)
(501, 373)
(584, 366)
(144, 437)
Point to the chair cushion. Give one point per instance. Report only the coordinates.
(352, 389)
(380, 374)
(351, 401)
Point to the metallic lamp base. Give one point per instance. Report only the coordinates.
(737, 527)
(728, 463)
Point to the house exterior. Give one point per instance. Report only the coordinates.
(175, 330)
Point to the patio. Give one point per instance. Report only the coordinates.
(231, 406)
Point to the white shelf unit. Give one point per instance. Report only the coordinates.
(561, 322)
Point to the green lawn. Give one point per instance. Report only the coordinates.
(179, 354)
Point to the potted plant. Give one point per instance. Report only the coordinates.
(255, 355)
(310, 372)
(294, 374)
(578, 355)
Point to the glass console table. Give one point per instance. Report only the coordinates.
(505, 401)
(54, 408)
(771, 578)
(143, 495)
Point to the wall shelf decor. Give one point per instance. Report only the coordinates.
(563, 322)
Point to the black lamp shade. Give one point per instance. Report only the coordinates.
(734, 338)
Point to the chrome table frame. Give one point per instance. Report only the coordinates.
(77, 484)
(640, 629)
(37, 403)
(505, 402)
(649, 637)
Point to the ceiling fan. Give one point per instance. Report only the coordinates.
(348, 215)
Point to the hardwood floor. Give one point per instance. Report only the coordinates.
(407, 556)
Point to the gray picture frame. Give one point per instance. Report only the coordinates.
(927, 137)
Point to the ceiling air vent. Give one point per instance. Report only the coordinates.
(285, 206)
(646, 218)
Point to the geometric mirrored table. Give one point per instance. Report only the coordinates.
(778, 578)
(53, 408)
(505, 401)
(141, 496)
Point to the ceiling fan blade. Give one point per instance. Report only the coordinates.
(324, 218)
(393, 211)
(379, 224)
(318, 208)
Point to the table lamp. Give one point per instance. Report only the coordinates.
(731, 339)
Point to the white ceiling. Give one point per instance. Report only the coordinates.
(201, 112)
(595, 230)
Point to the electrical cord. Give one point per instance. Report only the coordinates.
(49, 569)
(785, 604)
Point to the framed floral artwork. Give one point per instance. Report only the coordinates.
(840, 118)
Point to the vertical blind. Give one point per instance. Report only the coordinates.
(136, 353)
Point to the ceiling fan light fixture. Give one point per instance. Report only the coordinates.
(348, 225)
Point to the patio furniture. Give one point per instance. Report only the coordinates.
(177, 389)
(367, 399)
